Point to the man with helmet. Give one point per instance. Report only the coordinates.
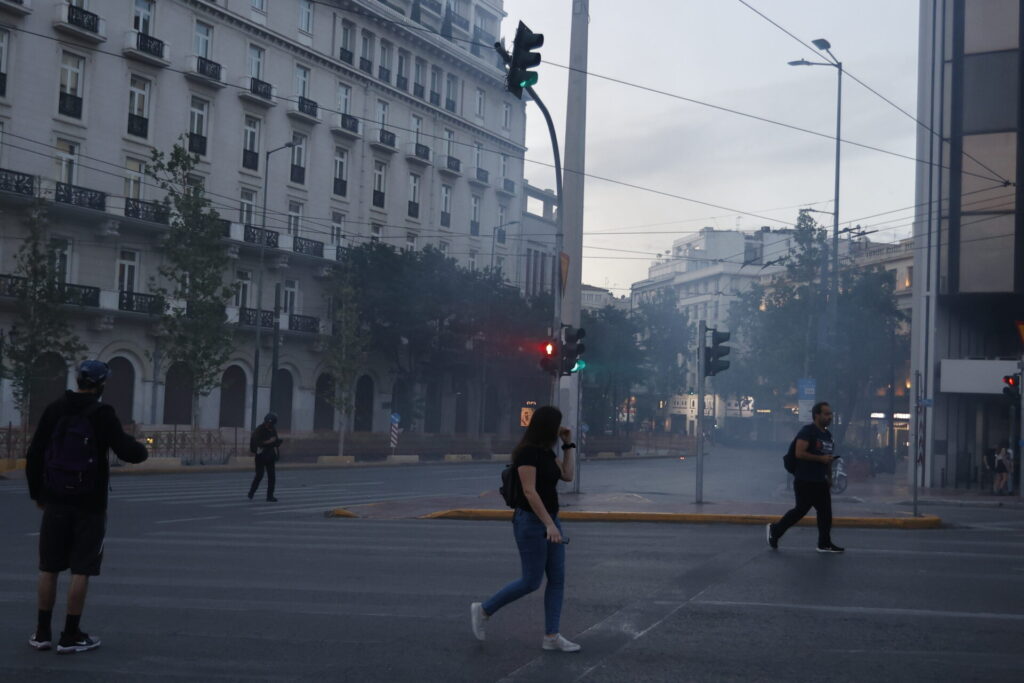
(264, 444)
(68, 475)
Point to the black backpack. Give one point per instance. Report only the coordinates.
(511, 487)
(71, 462)
(789, 459)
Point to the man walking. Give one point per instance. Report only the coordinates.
(813, 449)
(263, 445)
(68, 477)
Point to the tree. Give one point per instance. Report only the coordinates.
(41, 323)
(665, 334)
(344, 346)
(615, 364)
(192, 327)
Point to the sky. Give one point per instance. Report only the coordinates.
(721, 52)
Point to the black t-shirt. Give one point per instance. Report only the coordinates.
(548, 474)
(819, 443)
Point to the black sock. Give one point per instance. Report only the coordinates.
(71, 623)
(43, 623)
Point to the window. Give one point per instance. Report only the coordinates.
(480, 102)
(72, 68)
(435, 81)
(417, 127)
(259, 5)
(247, 207)
(298, 150)
(133, 178)
(290, 296)
(127, 270)
(203, 39)
(506, 116)
(366, 47)
(344, 98)
(306, 16)
(255, 62)
(340, 163)
(504, 166)
(380, 177)
(502, 214)
(403, 64)
(138, 97)
(475, 209)
(446, 199)
(143, 19)
(4, 40)
(375, 232)
(337, 227)
(199, 111)
(60, 257)
(382, 113)
(251, 143)
(414, 188)
(410, 241)
(451, 91)
(418, 71)
(294, 218)
(66, 160)
(499, 263)
(347, 30)
(478, 154)
(449, 142)
(443, 248)
(385, 55)
(243, 281)
(301, 81)
(472, 259)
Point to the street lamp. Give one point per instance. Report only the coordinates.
(826, 47)
(494, 233)
(259, 287)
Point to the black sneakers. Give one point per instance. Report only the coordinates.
(41, 643)
(830, 548)
(773, 541)
(76, 642)
(271, 500)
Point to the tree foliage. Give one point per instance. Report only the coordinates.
(615, 365)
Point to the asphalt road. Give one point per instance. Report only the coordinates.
(200, 584)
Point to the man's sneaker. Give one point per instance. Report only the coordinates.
(477, 618)
(250, 495)
(41, 643)
(830, 548)
(560, 642)
(77, 642)
(773, 540)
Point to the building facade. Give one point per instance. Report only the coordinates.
(398, 130)
(970, 237)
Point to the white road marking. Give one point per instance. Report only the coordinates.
(186, 519)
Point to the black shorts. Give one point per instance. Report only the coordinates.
(1001, 467)
(71, 538)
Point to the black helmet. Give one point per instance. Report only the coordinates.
(271, 418)
(93, 373)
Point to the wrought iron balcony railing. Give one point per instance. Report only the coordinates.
(254, 235)
(137, 302)
(67, 193)
(378, 199)
(208, 68)
(19, 183)
(70, 105)
(303, 323)
(250, 316)
(301, 245)
(83, 19)
(150, 45)
(146, 211)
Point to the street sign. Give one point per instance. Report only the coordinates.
(806, 391)
(396, 420)
(525, 415)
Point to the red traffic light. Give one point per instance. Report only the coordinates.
(1012, 381)
(548, 360)
(549, 349)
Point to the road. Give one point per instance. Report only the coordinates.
(200, 584)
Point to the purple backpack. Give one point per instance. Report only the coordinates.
(72, 461)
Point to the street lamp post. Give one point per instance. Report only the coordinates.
(259, 287)
(826, 47)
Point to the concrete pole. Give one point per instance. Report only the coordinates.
(571, 209)
(702, 335)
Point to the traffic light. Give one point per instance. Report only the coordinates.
(523, 59)
(549, 358)
(572, 349)
(1012, 388)
(713, 363)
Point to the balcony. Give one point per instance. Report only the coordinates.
(414, 209)
(446, 219)
(365, 65)
(70, 105)
(18, 7)
(256, 91)
(460, 21)
(402, 82)
(432, 5)
(3, 84)
(346, 55)
(418, 153)
(340, 187)
(136, 302)
(154, 212)
(76, 295)
(435, 98)
(418, 90)
(384, 74)
(146, 48)
(307, 247)
(197, 144)
(83, 197)
(480, 176)
(508, 186)
(206, 72)
(80, 23)
(248, 317)
(80, 295)
(481, 39)
(384, 140)
(449, 105)
(260, 237)
(474, 228)
(250, 160)
(346, 126)
(18, 183)
(138, 126)
(298, 174)
(378, 199)
(303, 323)
(452, 166)
(304, 109)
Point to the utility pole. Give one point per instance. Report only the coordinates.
(702, 335)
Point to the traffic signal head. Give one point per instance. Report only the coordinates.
(713, 355)
(523, 59)
(1012, 386)
(549, 360)
(572, 349)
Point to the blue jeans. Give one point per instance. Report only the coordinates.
(538, 558)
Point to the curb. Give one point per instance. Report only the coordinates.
(923, 522)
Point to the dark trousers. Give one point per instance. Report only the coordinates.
(264, 462)
(809, 494)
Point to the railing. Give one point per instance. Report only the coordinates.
(249, 316)
(197, 144)
(340, 187)
(509, 185)
(378, 199)
(3, 84)
(483, 175)
(303, 323)
(136, 302)
(19, 183)
(474, 228)
(138, 125)
(146, 211)
(150, 45)
(446, 219)
(298, 174)
(449, 105)
(80, 196)
(366, 65)
(432, 5)
(460, 21)
(384, 74)
(435, 99)
(80, 295)
(350, 123)
(422, 151)
(453, 164)
(250, 160)
(414, 209)
(83, 19)
(301, 245)
(267, 238)
(387, 138)
(70, 105)
(345, 55)
(308, 106)
(402, 82)
(418, 90)
(208, 68)
(261, 89)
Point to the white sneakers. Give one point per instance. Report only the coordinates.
(477, 617)
(560, 642)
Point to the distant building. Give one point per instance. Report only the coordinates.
(596, 298)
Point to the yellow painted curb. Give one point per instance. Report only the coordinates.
(340, 512)
(924, 522)
(458, 457)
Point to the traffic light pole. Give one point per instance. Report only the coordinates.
(702, 335)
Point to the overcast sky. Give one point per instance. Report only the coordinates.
(720, 52)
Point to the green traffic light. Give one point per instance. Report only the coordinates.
(580, 365)
(530, 80)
